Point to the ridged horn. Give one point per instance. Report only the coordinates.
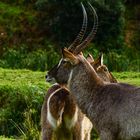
(81, 34)
(91, 35)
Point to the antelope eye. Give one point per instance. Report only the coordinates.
(66, 63)
(105, 69)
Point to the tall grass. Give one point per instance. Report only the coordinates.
(21, 97)
(4, 138)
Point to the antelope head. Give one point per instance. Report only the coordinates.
(61, 71)
(101, 69)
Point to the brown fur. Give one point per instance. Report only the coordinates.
(101, 69)
(62, 99)
(82, 118)
(113, 108)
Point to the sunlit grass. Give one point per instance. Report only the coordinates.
(31, 87)
(9, 76)
(128, 77)
(4, 138)
(22, 77)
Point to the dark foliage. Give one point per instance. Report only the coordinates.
(32, 32)
(64, 19)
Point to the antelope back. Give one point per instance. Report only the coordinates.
(61, 118)
(53, 117)
(56, 104)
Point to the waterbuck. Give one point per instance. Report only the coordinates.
(61, 119)
(113, 108)
(57, 100)
(59, 105)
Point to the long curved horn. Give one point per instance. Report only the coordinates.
(82, 31)
(91, 35)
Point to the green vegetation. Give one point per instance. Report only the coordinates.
(3, 138)
(68, 23)
(128, 77)
(21, 98)
(36, 60)
(33, 32)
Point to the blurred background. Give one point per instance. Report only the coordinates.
(32, 33)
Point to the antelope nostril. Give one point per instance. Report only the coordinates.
(49, 78)
(46, 76)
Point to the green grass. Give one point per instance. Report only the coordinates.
(128, 77)
(22, 77)
(4, 138)
(21, 97)
(28, 77)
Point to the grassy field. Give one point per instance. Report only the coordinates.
(27, 77)
(128, 77)
(22, 77)
(21, 96)
(3, 138)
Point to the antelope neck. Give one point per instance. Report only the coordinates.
(83, 78)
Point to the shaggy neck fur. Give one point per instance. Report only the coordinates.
(83, 75)
(112, 108)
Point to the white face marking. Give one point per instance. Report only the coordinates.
(55, 84)
(54, 123)
(101, 59)
(70, 77)
(59, 62)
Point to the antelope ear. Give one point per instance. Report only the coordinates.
(90, 58)
(69, 56)
(99, 61)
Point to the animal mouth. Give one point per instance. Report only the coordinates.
(50, 79)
